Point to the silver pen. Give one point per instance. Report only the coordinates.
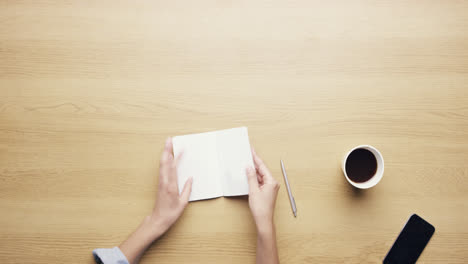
(291, 198)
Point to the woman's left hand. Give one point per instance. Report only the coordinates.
(169, 204)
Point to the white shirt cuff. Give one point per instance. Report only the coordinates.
(109, 256)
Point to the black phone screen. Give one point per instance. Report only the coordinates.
(411, 241)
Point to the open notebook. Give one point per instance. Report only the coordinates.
(217, 162)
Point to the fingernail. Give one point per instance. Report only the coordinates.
(168, 141)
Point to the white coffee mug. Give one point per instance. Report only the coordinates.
(378, 174)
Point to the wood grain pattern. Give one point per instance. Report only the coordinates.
(89, 90)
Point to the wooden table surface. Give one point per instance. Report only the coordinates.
(89, 90)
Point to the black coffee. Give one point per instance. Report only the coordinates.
(361, 165)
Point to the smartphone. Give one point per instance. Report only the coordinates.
(411, 241)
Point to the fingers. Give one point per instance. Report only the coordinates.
(168, 145)
(258, 162)
(261, 167)
(185, 195)
(260, 179)
(178, 158)
(252, 178)
(166, 163)
(167, 156)
(172, 171)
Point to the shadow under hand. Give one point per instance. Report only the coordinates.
(238, 198)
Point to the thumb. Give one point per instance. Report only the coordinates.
(252, 178)
(185, 195)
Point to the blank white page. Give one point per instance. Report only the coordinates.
(200, 161)
(235, 156)
(216, 160)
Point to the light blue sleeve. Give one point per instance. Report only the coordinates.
(109, 256)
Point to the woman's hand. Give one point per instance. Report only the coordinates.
(168, 208)
(169, 204)
(263, 189)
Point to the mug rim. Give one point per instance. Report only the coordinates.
(378, 174)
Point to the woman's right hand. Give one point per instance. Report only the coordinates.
(263, 190)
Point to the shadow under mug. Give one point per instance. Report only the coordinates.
(378, 174)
